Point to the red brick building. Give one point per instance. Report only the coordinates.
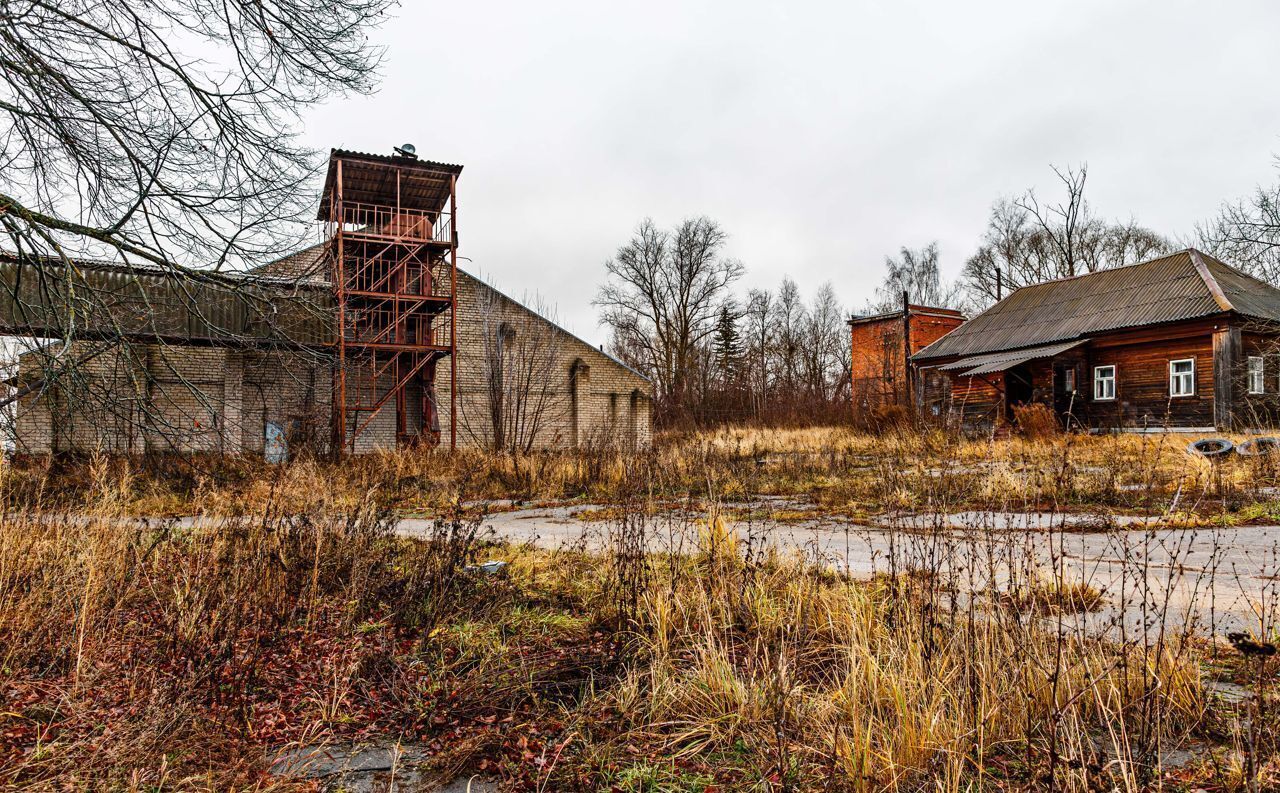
(882, 345)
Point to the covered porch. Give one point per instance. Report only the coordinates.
(988, 388)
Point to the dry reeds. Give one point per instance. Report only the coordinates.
(684, 651)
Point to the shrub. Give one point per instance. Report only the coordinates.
(890, 417)
(1036, 421)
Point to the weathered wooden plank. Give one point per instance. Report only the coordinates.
(1226, 365)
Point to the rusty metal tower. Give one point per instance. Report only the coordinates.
(392, 246)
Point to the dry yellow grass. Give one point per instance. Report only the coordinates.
(726, 666)
(833, 467)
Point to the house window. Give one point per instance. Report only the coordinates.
(1104, 382)
(1069, 380)
(1182, 377)
(1255, 374)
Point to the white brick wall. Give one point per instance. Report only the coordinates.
(576, 415)
(147, 397)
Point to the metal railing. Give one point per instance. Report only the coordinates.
(387, 221)
(396, 324)
(386, 275)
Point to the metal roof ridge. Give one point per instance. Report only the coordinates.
(395, 159)
(1210, 282)
(1062, 278)
(1232, 268)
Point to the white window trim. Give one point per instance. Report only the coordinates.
(1190, 393)
(1115, 372)
(1259, 376)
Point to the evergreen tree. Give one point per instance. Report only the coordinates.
(727, 348)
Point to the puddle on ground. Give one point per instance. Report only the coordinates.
(369, 768)
(1227, 692)
(1081, 522)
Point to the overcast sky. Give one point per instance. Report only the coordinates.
(823, 136)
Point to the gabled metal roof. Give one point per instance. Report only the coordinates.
(42, 297)
(1183, 285)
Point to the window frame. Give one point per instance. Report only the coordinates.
(1260, 375)
(1114, 379)
(1191, 374)
(1069, 380)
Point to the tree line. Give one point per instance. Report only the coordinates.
(1028, 240)
(714, 355)
(773, 356)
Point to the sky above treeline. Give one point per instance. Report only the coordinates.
(822, 136)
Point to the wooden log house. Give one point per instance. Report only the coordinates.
(1182, 342)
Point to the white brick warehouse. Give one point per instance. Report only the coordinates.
(148, 397)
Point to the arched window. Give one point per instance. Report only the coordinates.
(633, 418)
(505, 336)
(578, 373)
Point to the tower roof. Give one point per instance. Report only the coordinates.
(387, 180)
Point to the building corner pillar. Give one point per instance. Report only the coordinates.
(1226, 371)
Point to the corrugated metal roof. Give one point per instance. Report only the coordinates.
(916, 310)
(1167, 289)
(1248, 295)
(395, 159)
(41, 297)
(1000, 361)
(372, 179)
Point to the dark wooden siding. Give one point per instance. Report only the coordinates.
(978, 401)
(1041, 372)
(1142, 384)
(1141, 357)
(1259, 410)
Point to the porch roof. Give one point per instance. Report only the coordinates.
(1000, 361)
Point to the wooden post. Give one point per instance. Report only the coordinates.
(339, 285)
(1226, 365)
(907, 381)
(453, 312)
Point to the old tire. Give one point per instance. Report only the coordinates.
(1259, 447)
(1211, 447)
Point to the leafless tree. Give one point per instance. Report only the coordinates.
(160, 135)
(671, 311)
(1067, 225)
(1028, 241)
(788, 319)
(759, 336)
(1246, 233)
(165, 130)
(521, 361)
(916, 272)
(664, 292)
(823, 335)
(1126, 243)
